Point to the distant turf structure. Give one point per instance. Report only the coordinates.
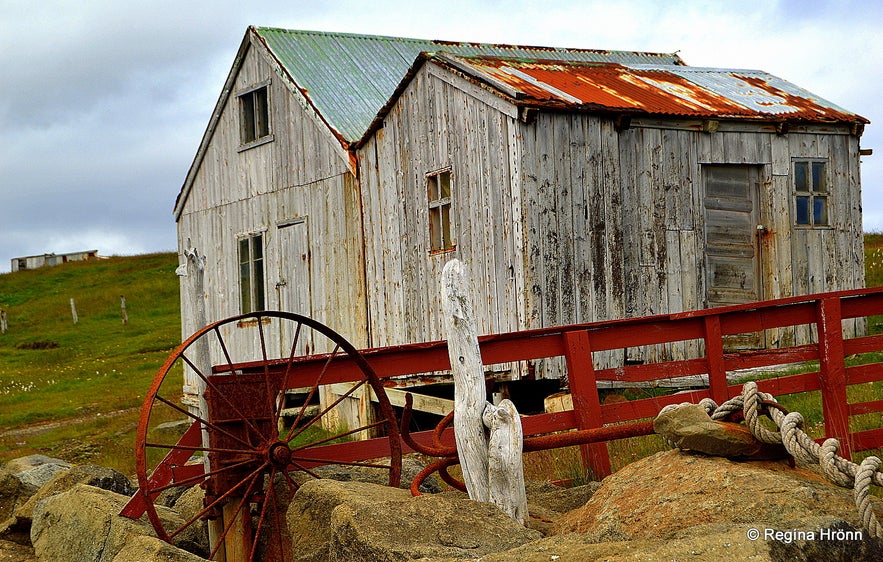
(33, 262)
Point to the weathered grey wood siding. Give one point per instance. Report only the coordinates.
(615, 225)
(302, 174)
(435, 124)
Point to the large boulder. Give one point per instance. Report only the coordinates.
(660, 495)
(83, 524)
(90, 474)
(13, 493)
(36, 470)
(331, 520)
(151, 549)
(17, 527)
(674, 503)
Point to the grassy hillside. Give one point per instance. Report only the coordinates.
(91, 376)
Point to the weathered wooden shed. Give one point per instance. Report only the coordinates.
(339, 173)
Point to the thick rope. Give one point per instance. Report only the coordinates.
(842, 472)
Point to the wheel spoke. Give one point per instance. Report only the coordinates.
(309, 398)
(204, 449)
(327, 409)
(336, 462)
(292, 485)
(338, 436)
(205, 422)
(243, 501)
(288, 364)
(250, 479)
(200, 478)
(302, 468)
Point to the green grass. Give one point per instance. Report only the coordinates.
(91, 376)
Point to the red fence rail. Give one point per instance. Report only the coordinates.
(577, 344)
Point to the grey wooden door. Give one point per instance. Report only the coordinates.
(293, 288)
(731, 221)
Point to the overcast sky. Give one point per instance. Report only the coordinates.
(103, 103)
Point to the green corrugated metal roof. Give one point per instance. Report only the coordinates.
(350, 77)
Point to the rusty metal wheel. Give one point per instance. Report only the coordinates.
(246, 444)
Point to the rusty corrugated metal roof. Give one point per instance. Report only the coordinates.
(673, 90)
(350, 77)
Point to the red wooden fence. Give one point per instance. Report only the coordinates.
(577, 343)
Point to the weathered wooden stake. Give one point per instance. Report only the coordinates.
(470, 395)
(492, 468)
(194, 386)
(3, 326)
(123, 307)
(74, 311)
(505, 469)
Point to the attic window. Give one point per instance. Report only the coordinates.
(254, 117)
(438, 191)
(811, 193)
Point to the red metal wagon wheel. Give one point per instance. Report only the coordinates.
(243, 446)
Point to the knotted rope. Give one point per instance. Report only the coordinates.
(842, 472)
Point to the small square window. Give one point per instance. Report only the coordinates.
(254, 115)
(811, 193)
(438, 191)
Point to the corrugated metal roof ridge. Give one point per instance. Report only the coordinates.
(370, 67)
(562, 53)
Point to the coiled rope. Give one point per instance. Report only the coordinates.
(842, 472)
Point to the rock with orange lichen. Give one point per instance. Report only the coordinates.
(660, 496)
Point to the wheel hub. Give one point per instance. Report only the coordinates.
(279, 455)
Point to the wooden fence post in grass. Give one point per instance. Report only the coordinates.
(492, 468)
(74, 311)
(123, 307)
(3, 326)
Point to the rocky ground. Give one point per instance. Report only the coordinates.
(671, 506)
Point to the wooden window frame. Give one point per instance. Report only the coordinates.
(254, 116)
(250, 265)
(811, 194)
(438, 194)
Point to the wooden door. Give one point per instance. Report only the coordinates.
(293, 287)
(732, 274)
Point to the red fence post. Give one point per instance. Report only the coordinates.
(832, 373)
(714, 355)
(586, 405)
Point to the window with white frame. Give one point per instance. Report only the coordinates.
(438, 191)
(251, 273)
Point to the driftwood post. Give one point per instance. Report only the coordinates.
(74, 311)
(123, 307)
(3, 326)
(194, 386)
(505, 470)
(491, 466)
(470, 395)
(194, 392)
